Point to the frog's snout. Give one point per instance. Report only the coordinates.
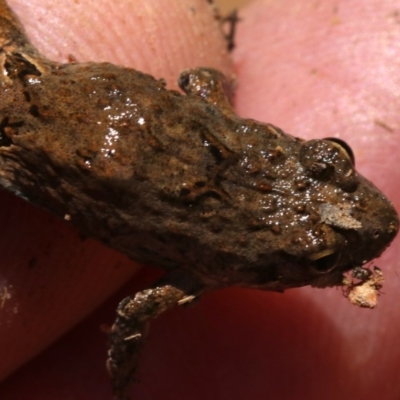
(384, 226)
(379, 226)
(367, 231)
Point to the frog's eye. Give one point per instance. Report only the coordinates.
(325, 261)
(330, 160)
(343, 147)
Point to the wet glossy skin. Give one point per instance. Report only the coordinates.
(179, 181)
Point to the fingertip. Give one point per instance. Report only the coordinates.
(159, 38)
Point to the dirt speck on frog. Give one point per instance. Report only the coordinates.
(179, 181)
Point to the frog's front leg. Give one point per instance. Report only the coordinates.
(133, 316)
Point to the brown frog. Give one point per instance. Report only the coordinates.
(179, 181)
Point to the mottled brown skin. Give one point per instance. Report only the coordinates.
(181, 182)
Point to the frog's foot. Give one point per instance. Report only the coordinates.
(15, 46)
(133, 314)
(211, 85)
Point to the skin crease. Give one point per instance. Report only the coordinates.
(316, 70)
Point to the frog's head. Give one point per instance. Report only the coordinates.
(308, 215)
(357, 222)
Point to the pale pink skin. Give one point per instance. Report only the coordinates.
(316, 69)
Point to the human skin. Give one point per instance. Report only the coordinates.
(319, 70)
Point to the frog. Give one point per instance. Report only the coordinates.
(178, 180)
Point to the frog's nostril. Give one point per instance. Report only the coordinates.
(376, 233)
